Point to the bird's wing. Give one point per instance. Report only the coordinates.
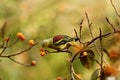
(61, 39)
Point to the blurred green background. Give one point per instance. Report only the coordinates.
(40, 19)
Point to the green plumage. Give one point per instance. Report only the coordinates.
(58, 42)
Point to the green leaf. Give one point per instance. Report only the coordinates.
(87, 58)
(95, 74)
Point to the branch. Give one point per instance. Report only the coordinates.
(101, 47)
(110, 24)
(71, 72)
(4, 46)
(76, 75)
(89, 25)
(3, 33)
(94, 44)
(20, 51)
(90, 42)
(101, 54)
(13, 42)
(80, 33)
(77, 35)
(27, 65)
(97, 62)
(115, 8)
(3, 49)
(3, 30)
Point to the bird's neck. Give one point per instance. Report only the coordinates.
(50, 41)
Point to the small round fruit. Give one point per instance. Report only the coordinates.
(31, 42)
(33, 62)
(59, 78)
(85, 53)
(42, 53)
(21, 36)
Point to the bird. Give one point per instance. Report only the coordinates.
(59, 42)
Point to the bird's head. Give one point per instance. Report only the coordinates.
(45, 43)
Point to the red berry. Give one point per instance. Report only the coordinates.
(42, 53)
(31, 42)
(21, 36)
(33, 62)
(59, 78)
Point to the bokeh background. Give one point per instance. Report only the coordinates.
(40, 19)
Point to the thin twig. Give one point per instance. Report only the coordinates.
(27, 65)
(18, 53)
(89, 25)
(76, 74)
(115, 8)
(101, 47)
(97, 62)
(87, 18)
(101, 77)
(4, 47)
(71, 72)
(3, 33)
(80, 33)
(106, 52)
(110, 24)
(77, 35)
(3, 30)
(14, 42)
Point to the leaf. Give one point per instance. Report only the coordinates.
(95, 74)
(87, 58)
